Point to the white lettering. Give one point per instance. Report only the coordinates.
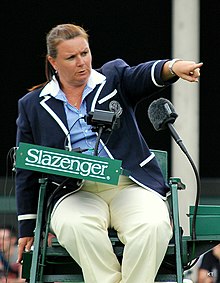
(65, 161)
(33, 157)
(103, 168)
(55, 160)
(40, 156)
(46, 160)
(85, 168)
(98, 169)
(77, 163)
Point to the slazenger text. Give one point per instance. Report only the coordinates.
(52, 160)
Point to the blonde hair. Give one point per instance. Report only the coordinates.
(55, 36)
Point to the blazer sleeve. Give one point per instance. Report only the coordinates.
(138, 82)
(27, 186)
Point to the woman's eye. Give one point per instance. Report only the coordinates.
(71, 57)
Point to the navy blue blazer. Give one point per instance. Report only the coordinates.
(42, 121)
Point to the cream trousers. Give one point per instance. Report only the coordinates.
(140, 217)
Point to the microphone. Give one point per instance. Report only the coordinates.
(162, 115)
(161, 112)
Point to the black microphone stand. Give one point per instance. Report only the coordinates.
(100, 130)
(101, 121)
(183, 148)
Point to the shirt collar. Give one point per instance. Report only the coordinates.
(53, 87)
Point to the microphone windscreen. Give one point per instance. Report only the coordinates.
(160, 112)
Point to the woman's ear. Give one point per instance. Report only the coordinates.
(52, 62)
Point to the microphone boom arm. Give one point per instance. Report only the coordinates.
(179, 141)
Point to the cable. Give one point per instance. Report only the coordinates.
(115, 122)
(10, 159)
(69, 147)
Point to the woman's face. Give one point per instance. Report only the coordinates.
(73, 62)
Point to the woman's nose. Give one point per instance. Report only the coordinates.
(80, 61)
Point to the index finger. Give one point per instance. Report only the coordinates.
(21, 248)
(198, 65)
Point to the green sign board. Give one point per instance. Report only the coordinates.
(68, 163)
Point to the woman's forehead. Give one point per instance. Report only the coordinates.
(75, 44)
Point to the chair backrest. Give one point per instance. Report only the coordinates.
(161, 157)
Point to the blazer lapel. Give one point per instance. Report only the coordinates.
(55, 108)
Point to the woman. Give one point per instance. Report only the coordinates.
(52, 115)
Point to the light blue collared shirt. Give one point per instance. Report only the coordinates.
(81, 134)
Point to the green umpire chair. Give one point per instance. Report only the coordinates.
(52, 263)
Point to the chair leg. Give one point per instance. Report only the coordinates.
(38, 232)
(44, 246)
(177, 234)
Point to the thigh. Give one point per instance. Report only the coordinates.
(81, 207)
(134, 206)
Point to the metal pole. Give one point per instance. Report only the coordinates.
(185, 97)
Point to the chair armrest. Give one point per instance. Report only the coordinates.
(178, 182)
